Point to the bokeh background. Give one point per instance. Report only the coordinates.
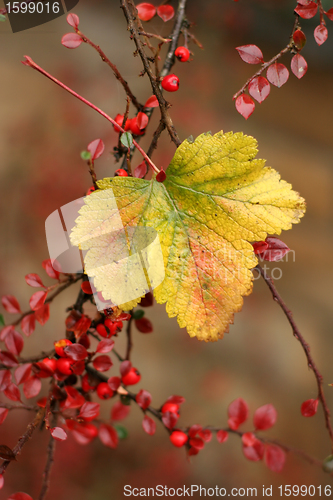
(42, 132)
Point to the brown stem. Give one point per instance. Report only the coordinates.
(26, 436)
(92, 172)
(180, 21)
(311, 364)
(156, 136)
(18, 407)
(48, 466)
(129, 338)
(153, 35)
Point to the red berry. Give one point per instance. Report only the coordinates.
(121, 172)
(134, 127)
(119, 119)
(86, 288)
(51, 363)
(171, 407)
(132, 377)
(64, 365)
(59, 346)
(178, 438)
(85, 384)
(111, 326)
(104, 391)
(170, 83)
(90, 190)
(182, 53)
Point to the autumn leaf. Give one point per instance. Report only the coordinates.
(216, 199)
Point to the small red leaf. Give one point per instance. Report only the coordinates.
(299, 39)
(6, 453)
(309, 407)
(178, 400)
(32, 387)
(108, 435)
(50, 271)
(144, 325)
(169, 419)
(71, 40)
(197, 443)
(58, 433)
(250, 54)
(102, 363)
(141, 170)
(265, 417)
(149, 425)
(105, 346)
(3, 415)
(83, 433)
(298, 65)
(13, 392)
(43, 314)
(259, 88)
(276, 250)
(194, 429)
(96, 148)
(8, 359)
(14, 342)
(142, 120)
(259, 247)
(152, 102)
(73, 20)
(146, 11)
(125, 368)
(76, 351)
(160, 177)
(248, 439)
(89, 411)
(321, 34)
(275, 457)
(114, 383)
(5, 379)
(34, 280)
(119, 411)
(222, 436)
(86, 288)
(244, 105)
(255, 452)
(206, 435)
(329, 14)
(37, 300)
(19, 496)
(22, 373)
(28, 324)
(306, 11)
(238, 412)
(143, 398)
(5, 331)
(10, 304)
(165, 12)
(277, 74)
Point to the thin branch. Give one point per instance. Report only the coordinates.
(25, 438)
(18, 407)
(156, 136)
(129, 338)
(180, 21)
(297, 334)
(48, 466)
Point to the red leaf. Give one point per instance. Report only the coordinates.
(244, 105)
(146, 11)
(276, 250)
(152, 102)
(37, 300)
(5, 379)
(73, 20)
(275, 457)
(299, 39)
(238, 412)
(114, 383)
(329, 14)
(206, 435)
(105, 345)
(125, 368)
(248, 439)
(22, 373)
(298, 65)
(86, 288)
(32, 387)
(265, 417)
(119, 411)
(142, 120)
(178, 400)
(74, 398)
(144, 325)
(222, 436)
(13, 392)
(165, 12)
(277, 74)
(259, 88)
(108, 435)
(3, 415)
(141, 170)
(197, 443)
(34, 280)
(259, 247)
(250, 54)
(169, 419)
(83, 433)
(19, 496)
(321, 34)
(58, 433)
(14, 342)
(4, 332)
(255, 452)
(309, 407)
(89, 411)
(8, 359)
(50, 271)
(43, 314)
(307, 11)
(102, 363)
(143, 398)
(10, 304)
(96, 148)
(76, 351)
(194, 429)
(28, 324)
(149, 425)
(71, 40)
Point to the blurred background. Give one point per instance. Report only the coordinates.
(42, 132)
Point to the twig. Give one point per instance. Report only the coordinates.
(26, 436)
(153, 35)
(156, 136)
(129, 338)
(18, 407)
(180, 21)
(48, 466)
(311, 364)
